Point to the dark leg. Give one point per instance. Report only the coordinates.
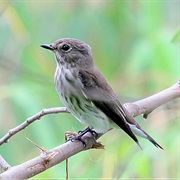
(82, 133)
(87, 129)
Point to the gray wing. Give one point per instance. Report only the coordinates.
(97, 90)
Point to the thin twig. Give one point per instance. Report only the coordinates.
(30, 120)
(36, 145)
(4, 164)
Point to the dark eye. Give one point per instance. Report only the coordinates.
(65, 47)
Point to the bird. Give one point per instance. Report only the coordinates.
(85, 92)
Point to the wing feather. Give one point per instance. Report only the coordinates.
(96, 89)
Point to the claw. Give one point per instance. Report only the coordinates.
(80, 134)
(77, 137)
(94, 133)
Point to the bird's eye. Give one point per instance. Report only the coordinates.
(65, 47)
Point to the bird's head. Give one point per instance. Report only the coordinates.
(71, 52)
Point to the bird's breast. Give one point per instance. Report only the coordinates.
(66, 81)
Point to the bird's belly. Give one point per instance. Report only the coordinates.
(88, 114)
(78, 105)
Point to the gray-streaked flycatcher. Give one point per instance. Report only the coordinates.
(85, 92)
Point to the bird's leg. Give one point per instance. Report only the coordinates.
(88, 129)
(82, 133)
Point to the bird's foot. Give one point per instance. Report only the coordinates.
(78, 136)
(88, 129)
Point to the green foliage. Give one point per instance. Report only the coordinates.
(131, 44)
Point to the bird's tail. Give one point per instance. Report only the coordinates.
(152, 140)
(142, 133)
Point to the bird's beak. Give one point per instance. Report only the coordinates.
(48, 46)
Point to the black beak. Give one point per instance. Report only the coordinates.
(47, 46)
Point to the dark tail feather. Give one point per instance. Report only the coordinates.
(152, 140)
(131, 134)
(117, 117)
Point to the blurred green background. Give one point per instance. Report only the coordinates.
(132, 45)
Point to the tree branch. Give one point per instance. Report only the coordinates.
(49, 158)
(4, 164)
(147, 105)
(30, 120)
(52, 157)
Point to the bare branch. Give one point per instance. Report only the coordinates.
(147, 105)
(4, 164)
(30, 120)
(48, 159)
